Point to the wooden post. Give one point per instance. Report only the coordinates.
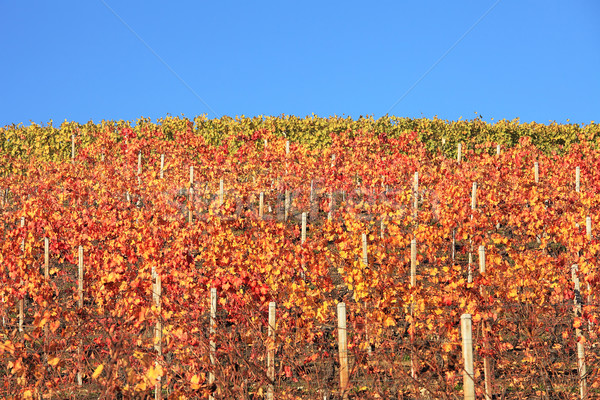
(473, 207)
(23, 241)
(588, 227)
(536, 171)
(212, 332)
(287, 205)
(303, 232)
(47, 278)
(487, 367)
(467, 347)
(221, 192)
(22, 300)
(158, 334)
(577, 179)
(73, 149)
(497, 149)
(578, 334)
(46, 270)
(46, 258)
(191, 176)
(482, 259)
(287, 147)
(271, 351)
(415, 194)
(459, 153)
(343, 350)
(413, 263)
(153, 283)
(382, 227)
(413, 284)
(80, 279)
(139, 170)
(162, 166)
(261, 205)
(330, 214)
(80, 305)
(365, 259)
(191, 205)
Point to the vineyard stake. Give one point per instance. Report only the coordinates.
(158, 334)
(162, 166)
(487, 368)
(73, 149)
(415, 194)
(577, 179)
(139, 170)
(365, 259)
(261, 205)
(588, 232)
(47, 278)
(22, 300)
(470, 272)
(473, 207)
(212, 332)
(46, 257)
(330, 214)
(536, 171)
(343, 350)
(467, 347)
(459, 153)
(271, 351)
(497, 149)
(80, 305)
(80, 279)
(413, 284)
(286, 205)
(303, 234)
(302, 241)
(191, 175)
(578, 333)
(191, 206)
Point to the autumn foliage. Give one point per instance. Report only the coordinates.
(132, 224)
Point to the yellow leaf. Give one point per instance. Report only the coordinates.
(53, 361)
(154, 373)
(195, 381)
(389, 321)
(98, 371)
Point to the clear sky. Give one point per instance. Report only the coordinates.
(81, 60)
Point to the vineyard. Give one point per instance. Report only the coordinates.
(300, 259)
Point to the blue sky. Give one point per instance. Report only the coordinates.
(79, 60)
